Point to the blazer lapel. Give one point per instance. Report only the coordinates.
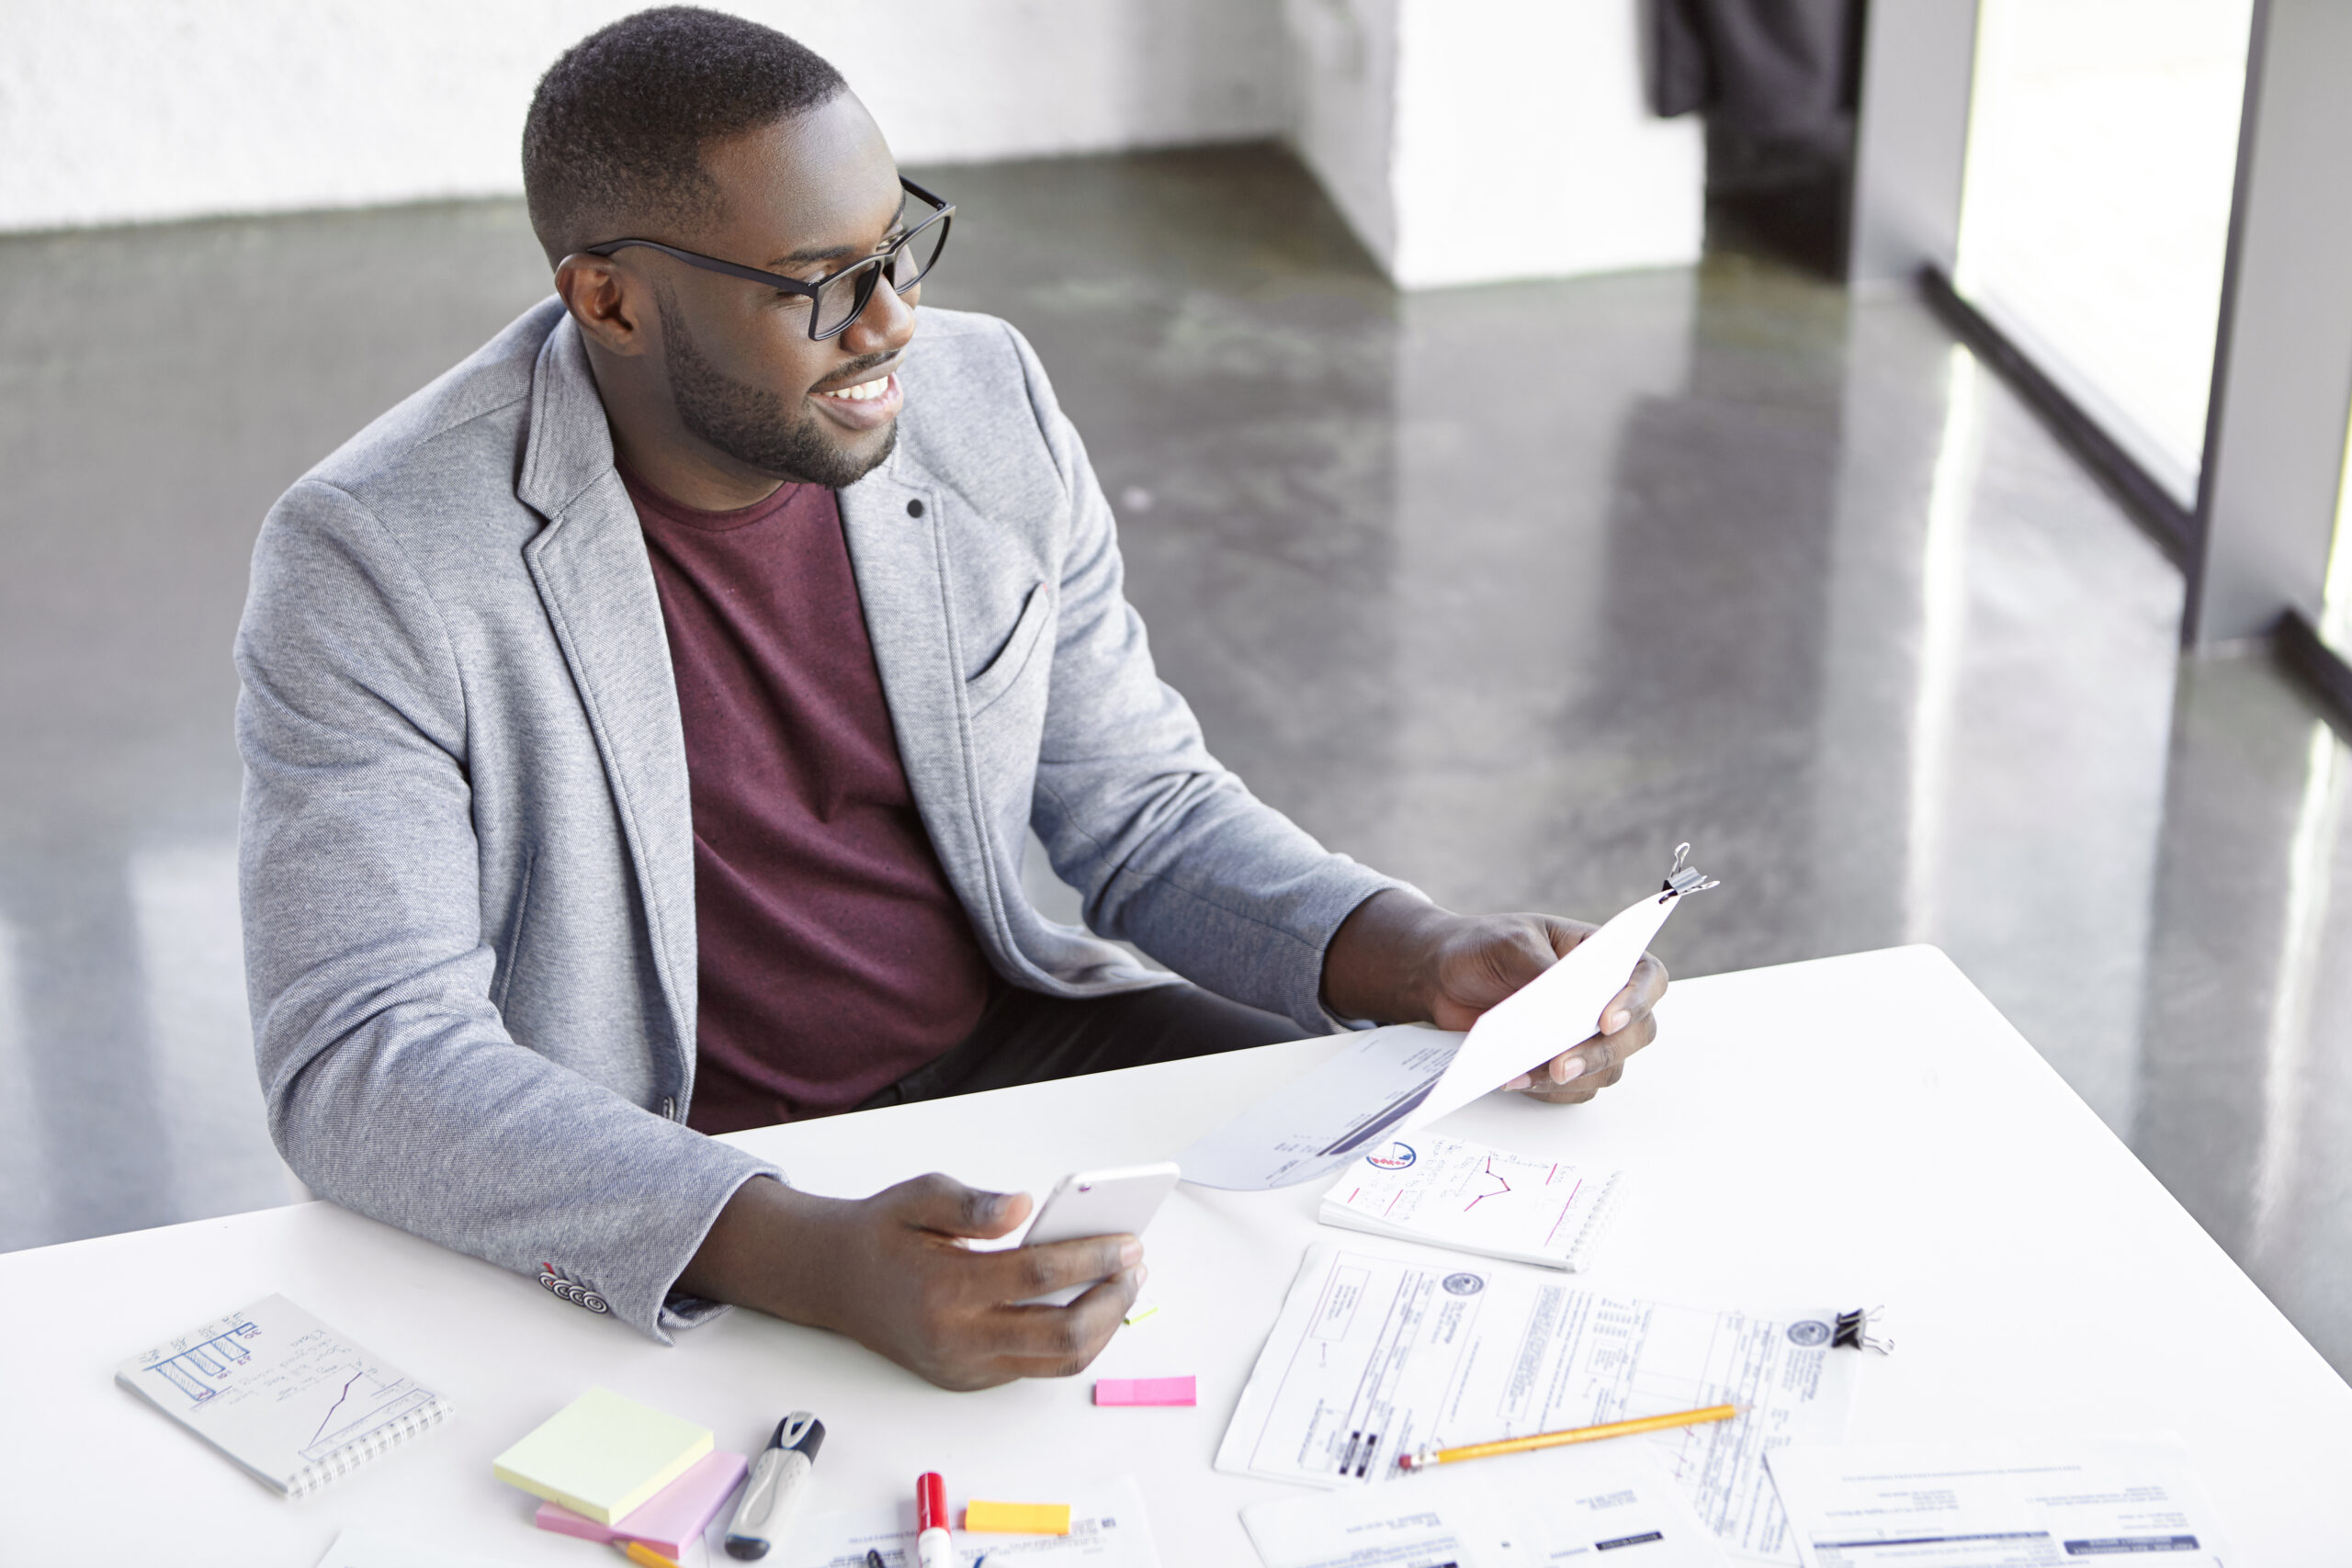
(590, 565)
(897, 554)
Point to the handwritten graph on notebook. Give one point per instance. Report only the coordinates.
(339, 1394)
(367, 1400)
(198, 1371)
(288, 1398)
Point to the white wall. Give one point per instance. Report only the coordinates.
(1344, 92)
(127, 111)
(1473, 140)
(1466, 141)
(1524, 148)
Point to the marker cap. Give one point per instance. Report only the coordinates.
(799, 1433)
(931, 1502)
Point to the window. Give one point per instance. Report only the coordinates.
(2102, 151)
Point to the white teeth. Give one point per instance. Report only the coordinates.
(862, 390)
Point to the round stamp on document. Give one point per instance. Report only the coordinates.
(1391, 1156)
(1809, 1333)
(1466, 1284)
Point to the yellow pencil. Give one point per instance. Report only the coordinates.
(1578, 1435)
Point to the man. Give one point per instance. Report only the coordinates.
(643, 723)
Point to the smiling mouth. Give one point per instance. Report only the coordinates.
(864, 391)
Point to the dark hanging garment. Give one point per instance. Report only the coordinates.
(1763, 68)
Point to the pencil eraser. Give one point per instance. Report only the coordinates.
(1016, 1519)
(1146, 1390)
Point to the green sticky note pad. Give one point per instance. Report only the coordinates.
(603, 1455)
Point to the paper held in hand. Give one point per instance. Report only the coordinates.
(1392, 1081)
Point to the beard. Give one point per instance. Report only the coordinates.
(751, 424)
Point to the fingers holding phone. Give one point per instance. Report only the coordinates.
(1102, 1205)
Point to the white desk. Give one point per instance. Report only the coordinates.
(1857, 1130)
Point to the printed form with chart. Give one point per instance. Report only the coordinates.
(1451, 1194)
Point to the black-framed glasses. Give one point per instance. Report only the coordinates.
(836, 301)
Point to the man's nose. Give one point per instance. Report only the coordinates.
(885, 326)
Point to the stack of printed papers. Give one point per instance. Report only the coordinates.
(1374, 1356)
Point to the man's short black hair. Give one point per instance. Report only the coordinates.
(613, 145)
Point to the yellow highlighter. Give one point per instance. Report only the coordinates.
(644, 1556)
(1016, 1519)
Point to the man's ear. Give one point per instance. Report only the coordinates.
(610, 306)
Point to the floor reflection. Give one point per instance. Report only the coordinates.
(1505, 590)
(158, 387)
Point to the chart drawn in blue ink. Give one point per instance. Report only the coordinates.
(198, 1371)
(235, 1364)
(286, 1396)
(365, 1400)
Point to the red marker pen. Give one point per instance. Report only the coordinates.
(934, 1548)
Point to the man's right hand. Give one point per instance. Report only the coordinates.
(892, 1272)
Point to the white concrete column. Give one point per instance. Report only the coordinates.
(1475, 140)
(1911, 142)
(2282, 374)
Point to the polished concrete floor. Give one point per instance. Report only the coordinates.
(1504, 589)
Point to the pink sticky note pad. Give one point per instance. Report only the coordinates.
(669, 1519)
(1146, 1390)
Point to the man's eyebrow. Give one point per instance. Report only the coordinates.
(816, 254)
(835, 252)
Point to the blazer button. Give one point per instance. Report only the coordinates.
(914, 509)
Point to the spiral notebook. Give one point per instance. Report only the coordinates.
(1474, 1198)
(288, 1398)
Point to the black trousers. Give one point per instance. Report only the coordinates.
(1027, 1037)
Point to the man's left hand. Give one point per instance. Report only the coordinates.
(1400, 959)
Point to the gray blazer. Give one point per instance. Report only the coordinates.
(467, 851)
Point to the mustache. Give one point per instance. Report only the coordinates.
(850, 374)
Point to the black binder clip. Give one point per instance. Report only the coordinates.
(1683, 877)
(1854, 1333)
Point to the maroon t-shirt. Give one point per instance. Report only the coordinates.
(834, 957)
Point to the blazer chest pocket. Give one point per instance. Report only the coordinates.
(1019, 650)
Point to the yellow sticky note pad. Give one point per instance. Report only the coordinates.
(602, 1455)
(1016, 1519)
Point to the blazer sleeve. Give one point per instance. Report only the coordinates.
(1167, 846)
(392, 1083)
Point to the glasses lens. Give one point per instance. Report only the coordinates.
(914, 259)
(841, 297)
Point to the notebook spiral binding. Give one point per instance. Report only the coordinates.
(366, 1446)
(1604, 1209)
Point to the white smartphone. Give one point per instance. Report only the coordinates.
(1098, 1202)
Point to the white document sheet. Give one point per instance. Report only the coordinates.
(367, 1549)
(1555, 1010)
(1107, 1530)
(1391, 1081)
(1322, 1120)
(1609, 1503)
(1376, 1354)
(1999, 1504)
